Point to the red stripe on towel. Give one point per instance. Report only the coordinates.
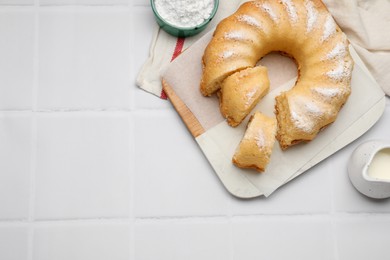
(178, 48)
(176, 52)
(163, 95)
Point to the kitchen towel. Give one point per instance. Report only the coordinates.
(365, 23)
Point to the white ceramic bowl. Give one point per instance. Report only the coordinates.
(358, 170)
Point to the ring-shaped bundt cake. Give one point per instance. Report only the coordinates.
(301, 29)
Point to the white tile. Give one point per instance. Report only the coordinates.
(15, 157)
(173, 178)
(146, 100)
(308, 193)
(82, 241)
(16, 2)
(13, 243)
(346, 197)
(82, 167)
(141, 2)
(363, 237)
(291, 237)
(185, 240)
(16, 63)
(84, 2)
(84, 60)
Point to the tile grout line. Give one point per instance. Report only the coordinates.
(57, 222)
(131, 140)
(231, 244)
(333, 214)
(70, 111)
(30, 220)
(189, 219)
(36, 57)
(230, 223)
(132, 66)
(33, 133)
(84, 8)
(132, 186)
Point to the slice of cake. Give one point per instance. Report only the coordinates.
(241, 92)
(255, 148)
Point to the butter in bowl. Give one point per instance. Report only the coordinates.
(184, 18)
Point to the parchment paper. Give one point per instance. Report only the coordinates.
(220, 140)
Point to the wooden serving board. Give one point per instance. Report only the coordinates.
(193, 125)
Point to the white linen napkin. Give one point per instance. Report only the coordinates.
(164, 48)
(366, 23)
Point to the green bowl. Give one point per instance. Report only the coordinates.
(183, 31)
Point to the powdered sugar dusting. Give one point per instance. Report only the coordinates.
(343, 70)
(257, 135)
(302, 111)
(260, 140)
(292, 13)
(234, 35)
(227, 54)
(184, 13)
(312, 15)
(310, 106)
(338, 51)
(250, 20)
(301, 121)
(329, 28)
(268, 9)
(250, 95)
(337, 73)
(327, 92)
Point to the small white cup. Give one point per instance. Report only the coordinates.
(359, 170)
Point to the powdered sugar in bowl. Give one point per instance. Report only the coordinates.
(183, 18)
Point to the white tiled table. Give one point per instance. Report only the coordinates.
(91, 167)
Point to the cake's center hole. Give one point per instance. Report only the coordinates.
(281, 69)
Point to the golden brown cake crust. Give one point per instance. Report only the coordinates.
(255, 148)
(303, 29)
(251, 85)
